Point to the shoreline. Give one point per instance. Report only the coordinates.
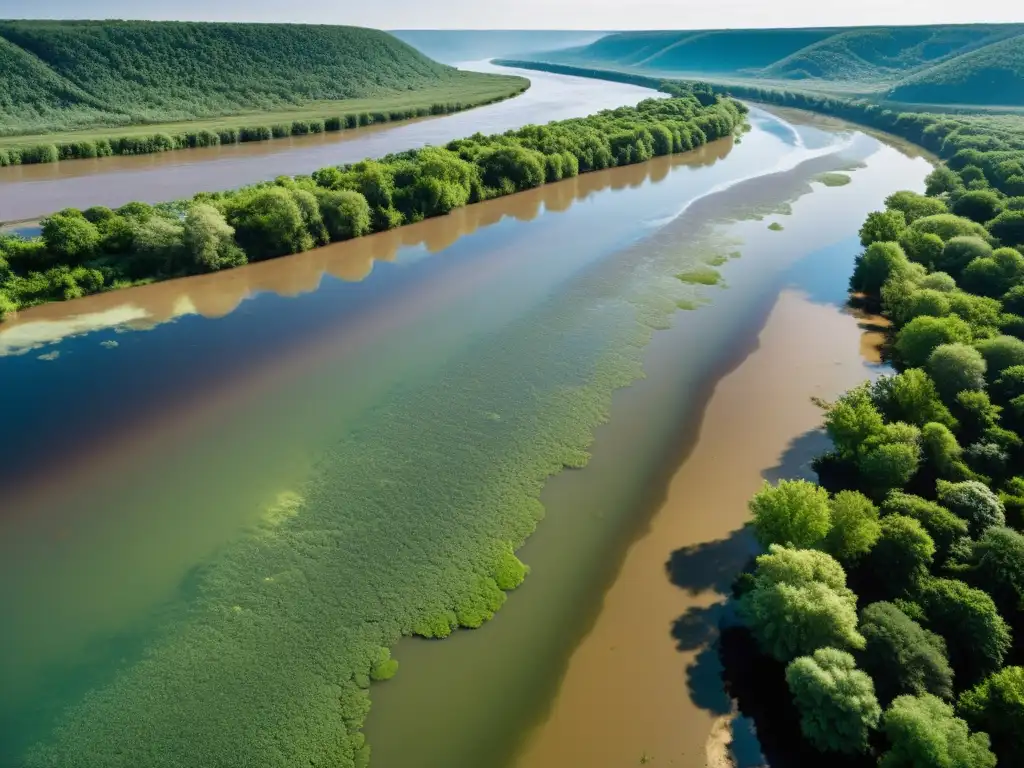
(644, 683)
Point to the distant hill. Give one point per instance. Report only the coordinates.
(82, 73)
(455, 46)
(943, 64)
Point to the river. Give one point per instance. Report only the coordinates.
(30, 191)
(403, 397)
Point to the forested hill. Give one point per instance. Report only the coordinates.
(952, 64)
(459, 45)
(77, 73)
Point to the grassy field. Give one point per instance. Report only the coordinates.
(472, 90)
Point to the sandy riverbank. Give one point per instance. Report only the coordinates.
(643, 686)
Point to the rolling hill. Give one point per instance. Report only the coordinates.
(70, 74)
(458, 45)
(945, 64)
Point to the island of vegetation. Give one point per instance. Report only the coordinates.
(79, 89)
(83, 252)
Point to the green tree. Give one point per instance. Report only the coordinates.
(1008, 227)
(879, 262)
(910, 397)
(955, 368)
(942, 452)
(854, 526)
(70, 237)
(922, 335)
(837, 704)
(977, 638)
(996, 706)
(903, 553)
(923, 733)
(921, 247)
(269, 223)
(889, 466)
(972, 502)
(945, 528)
(1000, 353)
(346, 214)
(793, 513)
(210, 240)
(980, 205)
(938, 281)
(997, 566)
(852, 420)
(882, 226)
(901, 656)
(798, 602)
(995, 275)
(948, 226)
(914, 206)
(941, 180)
(961, 251)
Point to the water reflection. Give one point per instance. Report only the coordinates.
(219, 294)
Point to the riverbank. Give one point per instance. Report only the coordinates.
(644, 682)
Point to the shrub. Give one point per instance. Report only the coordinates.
(879, 262)
(1008, 227)
(836, 701)
(1001, 353)
(882, 226)
(923, 733)
(979, 205)
(70, 237)
(995, 275)
(902, 657)
(921, 247)
(960, 251)
(268, 223)
(793, 513)
(910, 397)
(938, 281)
(996, 705)
(955, 368)
(915, 206)
(948, 226)
(346, 214)
(923, 335)
(210, 240)
(972, 502)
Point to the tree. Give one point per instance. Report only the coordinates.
(910, 397)
(997, 566)
(837, 703)
(914, 206)
(346, 214)
(972, 502)
(961, 251)
(922, 335)
(996, 706)
(793, 513)
(1000, 353)
(268, 223)
(158, 247)
(977, 638)
(1008, 227)
(210, 239)
(852, 420)
(901, 656)
(923, 733)
(955, 368)
(980, 205)
(882, 227)
(921, 247)
(798, 602)
(942, 452)
(948, 226)
(879, 262)
(995, 275)
(938, 281)
(70, 237)
(945, 528)
(889, 466)
(941, 180)
(855, 527)
(902, 555)
(1013, 300)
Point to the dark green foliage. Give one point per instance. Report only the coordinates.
(70, 237)
(346, 213)
(976, 636)
(945, 528)
(879, 262)
(972, 502)
(903, 553)
(921, 247)
(996, 706)
(994, 275)
(902, 657)
(979, 206)
(883, 226)
(837, 703)
(1008, 227)
(997, 566)
(955, 368)
(923, 733)
(961, 251)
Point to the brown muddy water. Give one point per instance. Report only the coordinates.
(148, 430)
(30, 191)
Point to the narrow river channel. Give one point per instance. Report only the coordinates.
(392, 389)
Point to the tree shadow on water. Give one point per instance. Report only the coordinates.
(795, 463)
(711, 565)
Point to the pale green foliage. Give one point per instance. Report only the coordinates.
(910, 397)
(882, 226)
(1001, 353)
(851, 420)
(385, 667)
(973, 502)
(346, 213)
(855, 527)
(798, 603)
(837, 703)
(923, 335)
(913, 205)
(923, 733)
(942, 451)
(956, 367)
(793, 513)
(69, 236)
(880, 261)
(210, 239)
(948, 226)
(938, 281)
(943, 526)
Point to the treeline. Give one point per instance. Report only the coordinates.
(83, 252)
(164, 142)
(890, 604)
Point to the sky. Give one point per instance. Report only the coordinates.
(536, 14)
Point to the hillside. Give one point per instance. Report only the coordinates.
(951, 64)
(459, 45)
(67, 74)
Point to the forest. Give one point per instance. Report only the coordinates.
(976, 64)
(99, 249)
(886, 617)
(68, 75)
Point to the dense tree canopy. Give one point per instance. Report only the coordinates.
(924, 733)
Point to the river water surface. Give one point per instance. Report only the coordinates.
(149, 431)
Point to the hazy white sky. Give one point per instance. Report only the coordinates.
(536, 14)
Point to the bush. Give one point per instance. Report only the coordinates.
(923, 335)
(947, 226)
(921, 247)
(945, 528)
(346, 214)
(70, 237)
(910, 397)
(880, 262)
(995, 275)
(1001, 353)
(923, 733)
(955, 368)
(996, 706)
(854, 526)
(1008, 227)
(269, 223)
(977, 638)
(938, 281)
(960, 251)
(972, 502)
(915, 206)
(210, 240)
(882, 226)
(902, 657)
(836, 701)
(979, 205)
(798, 602)
(793, 513)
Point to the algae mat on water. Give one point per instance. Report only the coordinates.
(407, 525)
